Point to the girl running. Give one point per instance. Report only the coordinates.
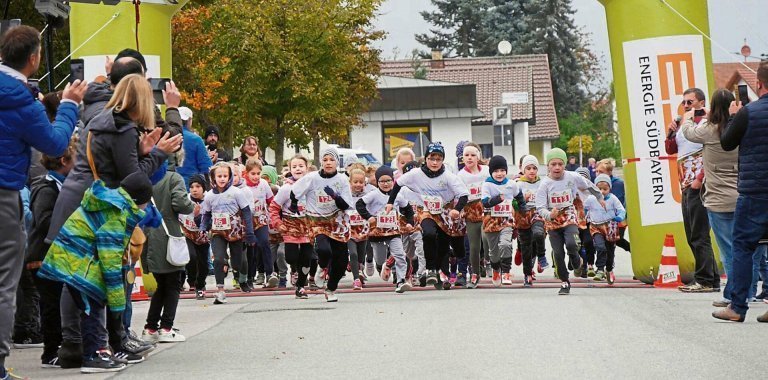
(474, 175)
(359, 227)
(604, 227)
(413, 244)
(529, 224)
(262, 197)
(198, 242)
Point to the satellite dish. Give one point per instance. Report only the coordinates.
(504, 47)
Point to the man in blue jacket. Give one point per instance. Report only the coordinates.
(196, 159)
(23, 124)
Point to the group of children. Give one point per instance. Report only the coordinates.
(410, 223)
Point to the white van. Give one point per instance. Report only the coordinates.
(348, 156)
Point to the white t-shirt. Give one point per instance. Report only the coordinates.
(529, 190)
(474, 181)
(283, 199)
(230, 202)
(560, 193)
(447, 187)
(311, 188)
(376, 201)
(260, 194)
(685, 146)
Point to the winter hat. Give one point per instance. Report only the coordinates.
(384, 170)
(497, 162)
(435, 147)
(556, 154)
(138, 186)
(271, 173)
(529, 160)
(185, 113)
(330, 151)
(584, 172)
(211, 130)
(603, 178)
(409, 166)
(198, 179)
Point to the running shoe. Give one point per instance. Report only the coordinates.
(599, 276)
(260, 279)
(272, 281)
(385, 272)
(611, 277)
(591, 271)
(444, 279)
(330, 296)
(542, 264)
(101, 362)
(518, 257)
(403, 286)
(50, 362)
(135, 347)
(565, 289)
(579, 268)
(301, 294)
(221, 298)
(150, 335)
(245, 288)
(447, 285)
(423, 279)
(170, 336)
(496, 279)
(127, 357)
(311, 283)
(283, 282)
(528, 281)
(461, 280)
(369, 269)
(431, 278)
(28, 343)
(200, 294)
(357, 285)
(506, 279)
(320, 276)
(473, 282)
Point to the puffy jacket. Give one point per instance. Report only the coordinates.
(748, 130)
(24, 124)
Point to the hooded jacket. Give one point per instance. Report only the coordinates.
(171, 199)
(88, 251)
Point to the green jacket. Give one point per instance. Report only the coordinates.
(171, 199)
(88, 251)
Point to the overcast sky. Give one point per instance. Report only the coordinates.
(730, 22)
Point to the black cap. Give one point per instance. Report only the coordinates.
(211, 130)
(138, 186)
(497, 162)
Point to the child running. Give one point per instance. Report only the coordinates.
(198, 242)
(327, 197)
(529, 223)
(554, 203)
(385, 227)
(411, 230)
(474, 176)
(262, 197)
(358, 242)
(227, 214)
(498, 223)
(443, 198)
(604, 222)
(289, 219)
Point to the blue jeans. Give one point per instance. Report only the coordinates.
(722, 225)
(749, 226)
(759, 270)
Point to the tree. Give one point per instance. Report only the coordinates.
(277, 69)
(459, 27)
(595, 121)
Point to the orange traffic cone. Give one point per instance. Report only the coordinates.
(669, 271)
(139, 293)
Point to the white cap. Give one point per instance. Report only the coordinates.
(185, 113)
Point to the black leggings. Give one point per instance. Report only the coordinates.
(239, 262)
(300, 257)
(197, 267)
(532, 245)
(436, 246)
(334, 255)
(164, 301)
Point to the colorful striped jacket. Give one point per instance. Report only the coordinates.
(88, 251)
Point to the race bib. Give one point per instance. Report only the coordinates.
(503, 210)
(433, 204)
(355, 219)
(188, 221)
(258, 207)
(221, 221)
(386, 220)
(474, 192)
(561, 199)
(530, 196)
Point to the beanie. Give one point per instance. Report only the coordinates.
(409, 166)
(271, 173)
(211, 130)
(556, 154)
(138, 186)
(584, 172)
(497, 162)
(384, 170)
(603, 178)
(200, 180)
(529, 160)
(330, 151)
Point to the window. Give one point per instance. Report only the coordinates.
(413, 135)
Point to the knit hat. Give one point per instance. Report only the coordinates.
(330, 151)
(211, 130)
(497, 162)
(603, 178)
(138, 186)
(435, 147)
(271, 173)
(384, 170)
(409, 166)
(584, 172)
(200, 180)
(556, 154)
(185, 113)
(529, 160)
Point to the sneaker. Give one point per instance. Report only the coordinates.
(496, 278)
(542, 264)
(320, 277)
(259, 279)
(28, 343)
(579, 268)
(101, 362)
(403, 286)
(611, 277)
(697, 288)
(311, 283)
(221, 298)
(528, 281)
(506, 279)
(330, 296)
(461, 280)
(70, 355)
(150, 335)
(386, 272)
(518, 257)
(200, 295)
(721, 303)
(294, 278)
(170, 336)
(444, 279)
(272, 281)
(447, 285)
(473, 281)
(423, 280)
(728, 314)
(431, 278)
(133, 347)
(301, 294)
(283, 283)
(51, 363)
(761, 296)
(127, 357)
(591, 271)
(369, 269)
(599, 276)
(357, 285)
(565, 289)
(245, 288)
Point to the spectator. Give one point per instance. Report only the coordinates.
(212, 140)
(196, 159)
(23, 124)
(748, 130)
(251, 150)
(572, 165)
(695, 219)
(591, 167)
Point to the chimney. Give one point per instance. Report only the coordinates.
(437, 61)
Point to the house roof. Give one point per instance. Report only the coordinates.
(388, 82)
(727, 75)
(494, 76)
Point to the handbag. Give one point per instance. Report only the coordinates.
(138, 239)
(177, 252)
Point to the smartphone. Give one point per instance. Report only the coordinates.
(158, 85)
(76, 70)
(699, 112)
(743, 95)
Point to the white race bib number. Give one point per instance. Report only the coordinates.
(188, 221)
(561, 200)
(502, 210)
(258, 208)
(433, 204)
(355, 219)
(221, 221)
(386, 220)
(474, 192)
